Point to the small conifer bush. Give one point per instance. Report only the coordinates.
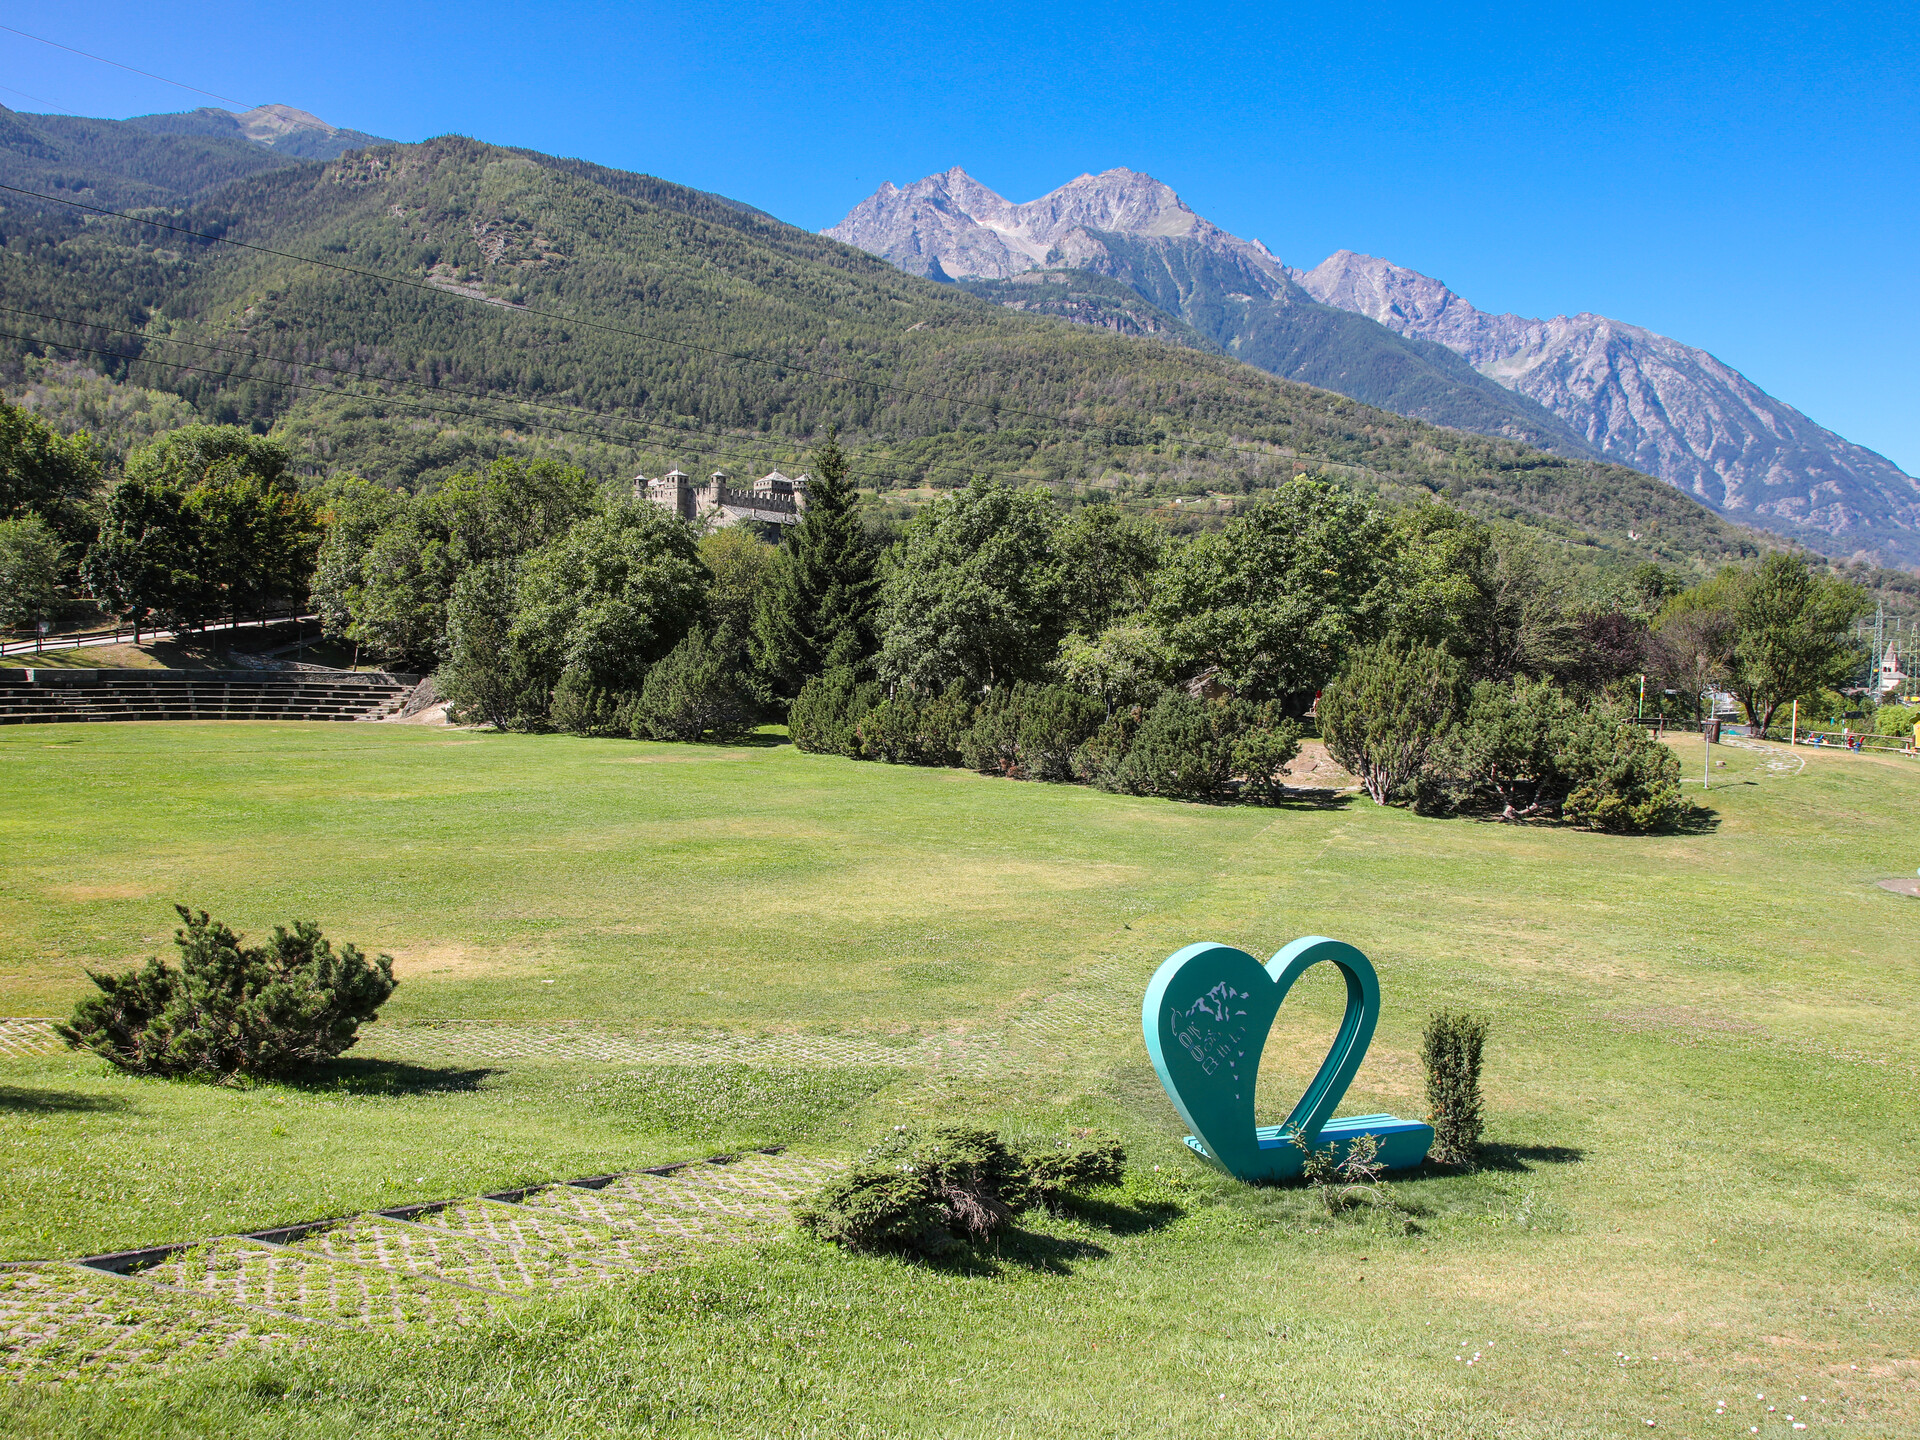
(1450, 1049)
(928, 1193)
(232, 1011)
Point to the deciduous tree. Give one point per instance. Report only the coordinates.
(1276, 600)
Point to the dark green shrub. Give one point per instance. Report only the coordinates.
(694, 691)
(1384, 713)
(929, 1193)
(1267, 745)
(1623, 779)
(1450, 1049)
(1053, 1175)
(1509, 749)
(992, 743)
(583, 708)
(1100, 761)
(905, 729)
(1053, 723)
(1184, 749)
(232, 1011)
(825, 717)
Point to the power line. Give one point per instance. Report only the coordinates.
(481, 396)
(128, 68)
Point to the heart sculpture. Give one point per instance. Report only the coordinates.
(1206, 1016)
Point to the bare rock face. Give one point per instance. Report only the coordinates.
(954, 227)
(1647, 401)
(1208, 287)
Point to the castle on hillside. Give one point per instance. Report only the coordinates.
(776, 498)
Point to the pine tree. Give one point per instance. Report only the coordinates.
(816, 610)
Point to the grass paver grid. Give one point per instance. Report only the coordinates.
(672, 1220)
(439, 1254)
(522, 1228)
(71, 1322)
(454, 1263)
(774, 1179)
(274, 1277)
(28, 1035)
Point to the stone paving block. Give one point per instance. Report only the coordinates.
(64, 1321)
(274, 1277)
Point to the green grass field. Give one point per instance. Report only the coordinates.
(1703, 1087)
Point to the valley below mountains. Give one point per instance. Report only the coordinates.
(1581, 385)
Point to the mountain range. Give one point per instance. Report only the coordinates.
(1232, 292)
(407, 311)
(1580, 385)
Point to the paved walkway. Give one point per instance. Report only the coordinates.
(451, 1262)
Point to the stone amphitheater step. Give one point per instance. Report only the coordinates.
(452, 1262)
(56, 696)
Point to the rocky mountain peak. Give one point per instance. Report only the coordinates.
(1379, 289)
(950, 225)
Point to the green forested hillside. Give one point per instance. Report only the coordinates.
(1291, 334)
(117, 164)
(659, 325)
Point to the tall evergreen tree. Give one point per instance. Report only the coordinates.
(815, 612)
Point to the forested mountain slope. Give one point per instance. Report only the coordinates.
(280, 128)
(117, 164)
(686, 329)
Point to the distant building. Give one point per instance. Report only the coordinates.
(1888, 680)
(775, 498)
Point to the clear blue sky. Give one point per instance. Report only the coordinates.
(1745, 178)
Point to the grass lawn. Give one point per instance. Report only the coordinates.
(1703, 1083)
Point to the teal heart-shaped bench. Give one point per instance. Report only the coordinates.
(1206, 1016)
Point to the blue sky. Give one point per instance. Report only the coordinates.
(1744, 178)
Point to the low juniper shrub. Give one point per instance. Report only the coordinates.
(1450, 1048)
(233, 1011)
(926, 1193)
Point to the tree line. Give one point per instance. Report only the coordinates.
(1447, 661)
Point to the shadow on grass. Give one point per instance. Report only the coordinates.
(391, 1077)
(1016, 1248)
(1696, 820)
(1523, 1159)
(1309, 797)
(49, 1102)
(1135, 1219)
(753, 740)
